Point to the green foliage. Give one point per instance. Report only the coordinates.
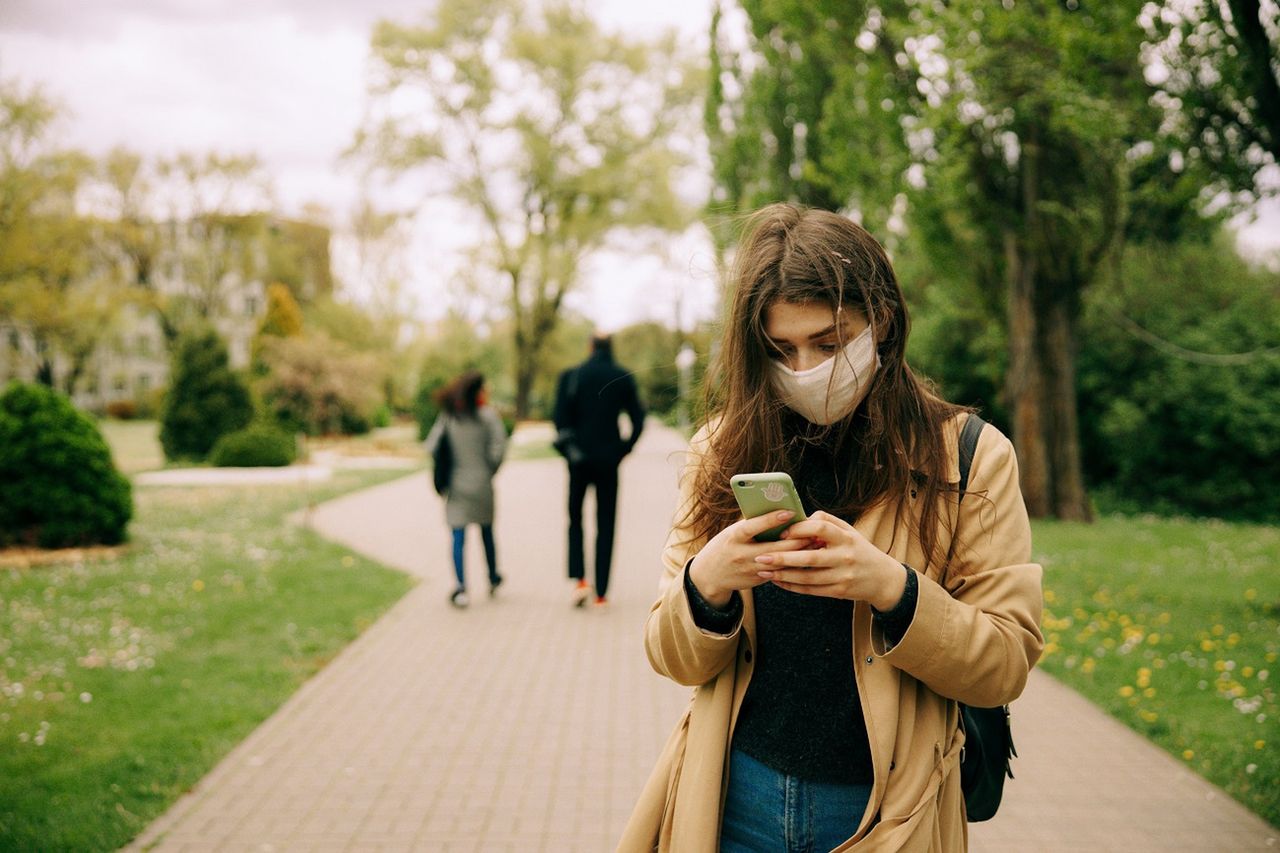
(319, 386)
(206, 398)
(425, 407)
(298, 257)
(1173, 627)
(283, 317)
(1219, 84)
(61, 488)
(1180, 396)
(145, 669)
(257, 445)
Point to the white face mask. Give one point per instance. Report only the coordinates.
(830, 391)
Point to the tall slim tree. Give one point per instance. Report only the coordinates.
(550, 132)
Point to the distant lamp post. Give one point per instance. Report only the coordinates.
(684, 365)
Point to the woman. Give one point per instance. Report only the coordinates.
(479, 440)
(828, 664)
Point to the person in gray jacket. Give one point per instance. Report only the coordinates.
(479, 441)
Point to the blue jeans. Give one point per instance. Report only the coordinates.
(490, 553)
(770, 811)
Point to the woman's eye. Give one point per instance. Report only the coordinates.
(829, 349)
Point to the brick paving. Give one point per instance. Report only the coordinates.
(521, 724)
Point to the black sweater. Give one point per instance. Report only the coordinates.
(801, 715)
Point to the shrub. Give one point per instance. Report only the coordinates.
(319, 386)
(425, 407)
(206, 399)
(124, 410)
(256, 446)
(1175, 420)
(61, 487)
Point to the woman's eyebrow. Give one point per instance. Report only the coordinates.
(828, 330)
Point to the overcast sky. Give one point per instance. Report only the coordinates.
(285, 79)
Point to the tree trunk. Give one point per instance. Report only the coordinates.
(1025, 380)
(1068, 497)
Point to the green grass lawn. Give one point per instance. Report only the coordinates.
(135, 445)
(123, 681)
(1173, 627)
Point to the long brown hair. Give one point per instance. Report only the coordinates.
(892, 445)
(462, 395)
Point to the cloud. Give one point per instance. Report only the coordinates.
(103, 18)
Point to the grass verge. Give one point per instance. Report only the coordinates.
(123, 681)
(1173, 627)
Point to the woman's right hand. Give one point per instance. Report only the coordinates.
(727, 562)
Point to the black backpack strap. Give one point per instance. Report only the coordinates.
(968, 446)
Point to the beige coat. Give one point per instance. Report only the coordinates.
(973, 641)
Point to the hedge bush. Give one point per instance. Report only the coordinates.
(61, 487)
(256, 446)
(206, 398)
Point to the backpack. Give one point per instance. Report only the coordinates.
(988, 747)
(442, 460)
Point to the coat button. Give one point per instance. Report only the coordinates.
(869, 659)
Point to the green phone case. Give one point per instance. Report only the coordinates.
(758, 494)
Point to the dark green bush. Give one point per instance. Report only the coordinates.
(206, 398)
(1179, 379)
(256, 446)
(425, 408)
(60, 486)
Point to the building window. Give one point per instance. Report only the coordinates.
(143, 384)
(15, 340)
(120, 383)
(144, 345)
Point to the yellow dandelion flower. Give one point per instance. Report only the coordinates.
(1219, 665)
(1271, 657)
(1126, 690)
(197, 585)
(1150, 692)
(1088, 666)
(1188, 754)
(1207, 645)
(1148, 716)
(1218, 630)
(1250, 594)
(1247, 672)
(1050, 597)
(1153, 638)
(1259, 744)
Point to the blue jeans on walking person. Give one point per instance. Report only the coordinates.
(770, 811)
(490, 554)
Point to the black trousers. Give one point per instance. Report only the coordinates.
(604, 476)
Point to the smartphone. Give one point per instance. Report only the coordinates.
(758, 494)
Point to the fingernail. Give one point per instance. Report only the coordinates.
(766, 575)
(764, 558)
(783, 515)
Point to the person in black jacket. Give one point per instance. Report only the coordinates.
(589, 399)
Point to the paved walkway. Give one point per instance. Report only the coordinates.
(523, 725)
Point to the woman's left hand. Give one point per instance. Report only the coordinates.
(844, 564)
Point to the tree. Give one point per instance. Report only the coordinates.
(53, 287)
(1215, 64)
(550, 132)
(1011, 140)
(206, 398)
